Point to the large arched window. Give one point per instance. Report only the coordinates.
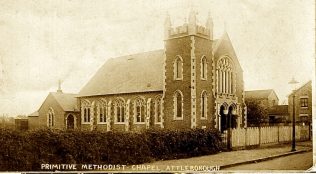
(158, 109)
(119, 110)
(203, 105)
(139, 110)
(50, 118)
(178, 105)
(101, 111)
(178, 68)
(225, 76)
(85, 111)
(203, 68)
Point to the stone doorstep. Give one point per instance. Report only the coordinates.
(264, 158)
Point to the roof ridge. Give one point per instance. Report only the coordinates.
(134, 54)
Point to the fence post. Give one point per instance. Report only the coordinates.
(278, 134)
(259, 134)
(246, 137)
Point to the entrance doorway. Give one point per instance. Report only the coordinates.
(70, 121)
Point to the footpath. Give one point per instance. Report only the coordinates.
(224, 159)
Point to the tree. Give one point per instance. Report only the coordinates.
(257, 113)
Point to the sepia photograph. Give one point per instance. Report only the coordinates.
(157, 86)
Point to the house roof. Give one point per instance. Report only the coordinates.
(34, 114)
(133, 73)
(301, 87)
(258, 94)
(67, 101)
(279, 110)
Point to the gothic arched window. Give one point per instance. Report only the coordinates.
(178, 105)
(178, 68)
(50, 117)
(158, 109)
(85, 111)
(225, 76)
(139, 110)
(102, 111)
(119, 107)
(203, 105)
(203, 68)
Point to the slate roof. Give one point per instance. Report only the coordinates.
(258, 94)
(133, 73)
(67, 101)
(142, 72)
(279, 110)
(34, 114)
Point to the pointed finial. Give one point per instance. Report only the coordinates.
(59, 86)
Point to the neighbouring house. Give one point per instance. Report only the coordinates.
(267, 97)
(302, 102)
(279, 114)
(59, 110)
(195, 81)
(21, 123)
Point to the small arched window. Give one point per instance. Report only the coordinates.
(158, 109)
(203, 105)
(178, 68)
(139, 110)
(203, 68)
(119, 106)
(50, 117)
(178, 105)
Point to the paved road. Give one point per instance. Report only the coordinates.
(301, 161)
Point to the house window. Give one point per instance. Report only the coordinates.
(204, 105)
(225, 76)
(178, 68)
(203, 68)
(119, 111)
(86, 116)
(102, 111)
(158, 109)
(178, 105)
(304, 102)
(50, 118)
(140, 110)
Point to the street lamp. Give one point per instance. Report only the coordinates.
(293, 83)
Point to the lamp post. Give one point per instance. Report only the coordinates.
(293, 83)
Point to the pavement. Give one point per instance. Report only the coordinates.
(224, 159)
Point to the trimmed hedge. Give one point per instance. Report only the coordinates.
(26, 151)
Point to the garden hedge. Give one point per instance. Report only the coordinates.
(26, 151)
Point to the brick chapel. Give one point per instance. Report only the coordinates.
(196, 81)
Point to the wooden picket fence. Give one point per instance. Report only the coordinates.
(252, 136)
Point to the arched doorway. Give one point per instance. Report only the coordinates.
(70, 121)
(232, 122)
(223, 125)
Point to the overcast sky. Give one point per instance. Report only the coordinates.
(46, 40)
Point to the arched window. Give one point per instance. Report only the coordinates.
(139, 110)
(50, 117)
(203, 68)
(225, 76)
(203, 105)
(178, 105)
(85, 111)
(158, 109)
(102, 111)
(119, 106)
(178, 68)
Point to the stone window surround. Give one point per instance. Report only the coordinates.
(176, 93)
(204, 64)
(102, 105)
(122, 105)
(204, 93)
(85, 105)
(142, 108)
(175, 64)
(157, 102)
(51, 116)
(225, 76)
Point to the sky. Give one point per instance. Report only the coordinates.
(43, 41)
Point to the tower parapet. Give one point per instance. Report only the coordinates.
(189, 28)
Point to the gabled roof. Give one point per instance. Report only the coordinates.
(303, 86)
(34, 114)
(279, 110)
(133, 73)
(258, 94)
(67, 101)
